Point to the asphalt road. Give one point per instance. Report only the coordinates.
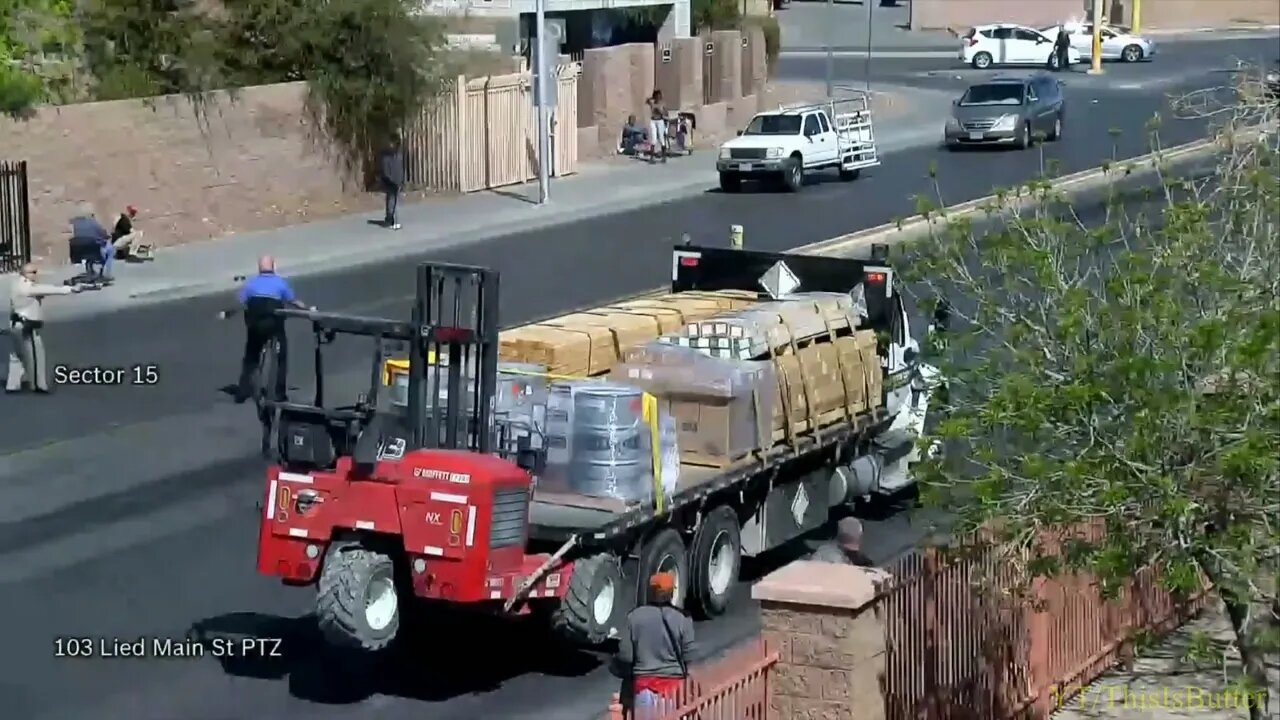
(1175, 63)
(129, 512)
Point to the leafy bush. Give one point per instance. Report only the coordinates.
(1123, 375)
(20, 91)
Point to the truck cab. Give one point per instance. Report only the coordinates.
(787, 143)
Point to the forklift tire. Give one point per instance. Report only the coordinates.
(593, 608)
(353, 607)
(714, 561)
(793, 174)
(664, 551)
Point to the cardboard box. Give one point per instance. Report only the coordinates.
(591, 342)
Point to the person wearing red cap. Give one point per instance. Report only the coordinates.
(123, 236)
(654, 648)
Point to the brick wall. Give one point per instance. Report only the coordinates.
(830, 639)
(252, 166)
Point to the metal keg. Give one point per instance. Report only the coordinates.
(610, 449)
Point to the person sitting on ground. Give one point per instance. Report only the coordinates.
(85, 226)
(846, 549)
(632, 137)
(126, 239)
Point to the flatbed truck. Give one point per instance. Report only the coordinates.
(374, 505)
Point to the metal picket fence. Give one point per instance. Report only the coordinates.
(15, 217)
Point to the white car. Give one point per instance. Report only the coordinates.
(1117, 43)
(985, 46)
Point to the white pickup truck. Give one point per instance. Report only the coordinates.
(787, 143)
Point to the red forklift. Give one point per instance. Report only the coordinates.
(377, 503)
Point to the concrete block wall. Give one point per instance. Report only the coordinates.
(726, 65)
(822, 619)
(616, 81)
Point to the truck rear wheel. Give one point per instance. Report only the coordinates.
(665, 552)
(357, 604)
(592, 609)
(714, 561)
(730, 182)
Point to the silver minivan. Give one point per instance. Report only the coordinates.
(1007, 111)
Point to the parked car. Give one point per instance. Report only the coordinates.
(1007, 111)
(1117, 42)
(1006, 44)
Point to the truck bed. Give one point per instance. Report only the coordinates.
(555, 516)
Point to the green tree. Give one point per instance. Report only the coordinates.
(40, 54)
(1126, 376)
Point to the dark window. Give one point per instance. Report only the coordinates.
(822, 120)
(773, 125)
(994, 94)
(811, 125)
(999, 33)
(1020, 34)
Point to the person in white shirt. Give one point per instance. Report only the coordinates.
(27, 364)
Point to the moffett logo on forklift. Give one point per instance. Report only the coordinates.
(453, 477)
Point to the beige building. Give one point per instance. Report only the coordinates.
(1163, 14)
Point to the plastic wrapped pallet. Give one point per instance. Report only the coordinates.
(600, 444)
(763, 329)
(724, 408)
(590, 342)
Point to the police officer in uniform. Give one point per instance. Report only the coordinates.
(260, 296)
(28, 367)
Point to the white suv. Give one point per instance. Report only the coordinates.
(985, 46)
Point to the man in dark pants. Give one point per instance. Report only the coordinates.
(391, 172)
(260, 296)
(846, 549)
(1060, 46)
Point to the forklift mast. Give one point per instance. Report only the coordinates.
(453, 363)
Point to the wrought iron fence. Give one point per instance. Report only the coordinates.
(15, 217)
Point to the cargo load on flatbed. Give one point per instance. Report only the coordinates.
(738, 376)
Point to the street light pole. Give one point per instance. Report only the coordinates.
(866, 61)
(544, 126)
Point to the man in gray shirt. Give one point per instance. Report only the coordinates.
(846, 549)
(654, 650)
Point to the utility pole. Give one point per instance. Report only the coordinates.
(831, 51)
(544, 123)
(1098, 10)
(866, 62)
(1137, 17)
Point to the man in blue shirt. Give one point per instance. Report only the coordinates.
(260, 296)
(85, 226)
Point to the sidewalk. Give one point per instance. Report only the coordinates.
(1163, 686)
(613, 186)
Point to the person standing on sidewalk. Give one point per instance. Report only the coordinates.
(654, 649)
(391, 170)
(28, 367)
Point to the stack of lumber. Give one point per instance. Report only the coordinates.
(590, 342)
(766, 329)
(825, 382)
